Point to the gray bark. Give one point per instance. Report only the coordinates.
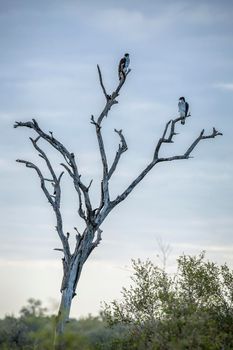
(88, 240)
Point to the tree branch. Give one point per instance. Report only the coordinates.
(169, 139)
(42, 179)
(79, 185)
(110, 101)
(55, 204)
(98, 238)
(57, 195)
(156, 160)
(96, 242)
(101, 147)
(70, 160)
(57, 189)
(49, 138)
(186, 155)
(121, 149)
(101, 84)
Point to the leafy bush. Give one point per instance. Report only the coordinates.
(191, 310)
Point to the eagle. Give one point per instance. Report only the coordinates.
(123, 66)
(183, 108)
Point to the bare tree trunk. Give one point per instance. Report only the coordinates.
(62, 318)
(71, 275)
(70, 280)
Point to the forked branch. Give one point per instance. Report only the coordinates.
(53, 200)
(169, 139)
(156, 158)
(70, 166)
(101, 84)
(121, 149)
(110, 101)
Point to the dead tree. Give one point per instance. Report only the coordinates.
(93, 217)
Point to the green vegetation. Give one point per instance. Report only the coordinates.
(192, 309)
(34, 330)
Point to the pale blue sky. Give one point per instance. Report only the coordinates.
(49, 52)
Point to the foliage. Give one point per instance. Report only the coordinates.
(34, 330)
(191, 310)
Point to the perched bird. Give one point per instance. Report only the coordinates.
(123, 66)
(183, 107)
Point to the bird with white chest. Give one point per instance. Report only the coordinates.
(123, 66)
(183, 108)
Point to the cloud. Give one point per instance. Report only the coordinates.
(26, 263)
(224, 86)
(154, 21)
(7, 166)
(131, 25)
(206, 13)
